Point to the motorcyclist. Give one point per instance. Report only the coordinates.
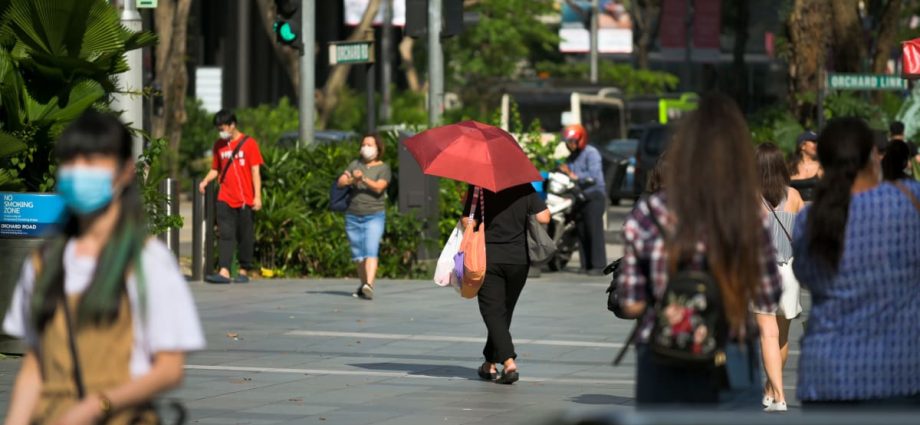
(584, 166)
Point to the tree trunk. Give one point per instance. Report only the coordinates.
(808, 35)
(849, 45)
(887, 35)
(171, 18)
(289, 57)
(645, 17)
(742, 21)
(336, 81)
(408, 63)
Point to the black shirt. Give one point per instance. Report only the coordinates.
(506, 217)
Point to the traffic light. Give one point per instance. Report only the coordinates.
(287, 23)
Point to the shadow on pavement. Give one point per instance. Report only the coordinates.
(601, 399)
(424, 369)
(338, 293)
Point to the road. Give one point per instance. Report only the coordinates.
(307, 352)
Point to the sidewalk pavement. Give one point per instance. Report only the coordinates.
(307, 352)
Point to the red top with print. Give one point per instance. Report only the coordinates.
(237, 188)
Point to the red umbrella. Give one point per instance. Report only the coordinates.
(475, 153)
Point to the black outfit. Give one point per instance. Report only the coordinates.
(235, 224)
(806, 187)
(592, 250)
(507, 263)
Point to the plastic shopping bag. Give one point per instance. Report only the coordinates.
(445, 265)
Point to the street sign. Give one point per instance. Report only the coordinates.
(29, 215)
(351, 52)
(865, 82)
(148, 4)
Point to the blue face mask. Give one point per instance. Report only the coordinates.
(85, 190)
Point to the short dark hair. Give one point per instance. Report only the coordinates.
(224, 117)
(896, 128)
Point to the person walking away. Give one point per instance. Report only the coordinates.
(506, 214)
(705, 221)
(896, 161)
(804, 165)
(781, 203)
(365, 219)
(896, 133)
(235, 166)
(584, 166)
(103, 310)
(857, 251)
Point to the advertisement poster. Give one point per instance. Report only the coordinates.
(614, 27)
(354, 10)
(29, 215)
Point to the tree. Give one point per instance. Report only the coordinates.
(645, 21)
(171, 20)
(808, 35)
(887, 38)
(848, 43)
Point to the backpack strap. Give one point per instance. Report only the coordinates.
(223, 173)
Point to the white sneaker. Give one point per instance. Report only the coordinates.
(767, 401)
(776, 407)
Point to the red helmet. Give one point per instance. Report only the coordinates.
(575, 133)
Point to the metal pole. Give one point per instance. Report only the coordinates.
(199, 224)
(594, 11)
(435, 65)
(371, 91)
(386, 70)
(210, 220)
(130, 83)
(243, 58)
(688, 51)
(307, 72)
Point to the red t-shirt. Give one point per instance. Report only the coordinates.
(236, 190)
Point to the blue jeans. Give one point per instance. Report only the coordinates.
(364, 234)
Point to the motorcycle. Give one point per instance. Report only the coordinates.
(565, 199)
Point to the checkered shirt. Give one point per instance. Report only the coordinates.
(644, 244)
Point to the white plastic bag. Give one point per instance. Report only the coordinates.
(445, 268)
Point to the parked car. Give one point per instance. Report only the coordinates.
(619, 162)
(322, 137)
(653, 140)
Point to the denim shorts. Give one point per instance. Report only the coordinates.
(364, 234)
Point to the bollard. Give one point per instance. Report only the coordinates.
(210, 222)
(198, 227)
(170, 189)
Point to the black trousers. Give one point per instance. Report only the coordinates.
(236, 231)
(497, 297)
(593, 249)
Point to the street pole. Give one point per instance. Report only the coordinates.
(130, 83)
(371, 91)
(307, 72)
(386, 71)
(595, 9)
(688, 51)
(435, 65)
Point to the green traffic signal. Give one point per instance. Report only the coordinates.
(285, 32)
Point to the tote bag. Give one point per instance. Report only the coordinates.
(473, 248)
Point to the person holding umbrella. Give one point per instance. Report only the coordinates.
(585, 168)
(489, 158)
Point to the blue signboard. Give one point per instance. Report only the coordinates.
(29, 215)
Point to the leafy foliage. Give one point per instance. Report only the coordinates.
(631, 80)
(150, 174)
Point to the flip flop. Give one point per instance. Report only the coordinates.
(217, 278)
(508, 377)
(485, 372)
(241, 279)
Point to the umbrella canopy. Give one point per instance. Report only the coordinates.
(475, 153)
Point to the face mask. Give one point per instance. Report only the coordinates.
(85, 190)
(368, 152)
(226, 135)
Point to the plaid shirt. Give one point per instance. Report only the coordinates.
(645, 253)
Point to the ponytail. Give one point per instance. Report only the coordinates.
(844, 148)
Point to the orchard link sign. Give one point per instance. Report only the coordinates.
(865, 82)
(351, 52)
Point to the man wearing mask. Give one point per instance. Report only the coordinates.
(235, 166)
(584, 166)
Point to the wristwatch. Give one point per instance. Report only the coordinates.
(105, 405)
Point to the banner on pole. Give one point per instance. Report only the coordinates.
(354, 10)
(614, 24)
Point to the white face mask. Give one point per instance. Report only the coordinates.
(368, 152)
(226, 135)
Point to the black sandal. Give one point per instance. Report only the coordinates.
(485, 372)
(508, 377)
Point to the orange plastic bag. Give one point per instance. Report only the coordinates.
(474, 250)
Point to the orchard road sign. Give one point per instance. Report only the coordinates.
(865, 82)
(351, 52)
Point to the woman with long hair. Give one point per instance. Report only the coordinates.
(365, 219)
(857, 250)
(781, 204)
(714, 223)
(104, 311)
(803, 165)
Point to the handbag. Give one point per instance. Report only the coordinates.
(473, 248)
(540, 246)
(339, 197)
(445, 266)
